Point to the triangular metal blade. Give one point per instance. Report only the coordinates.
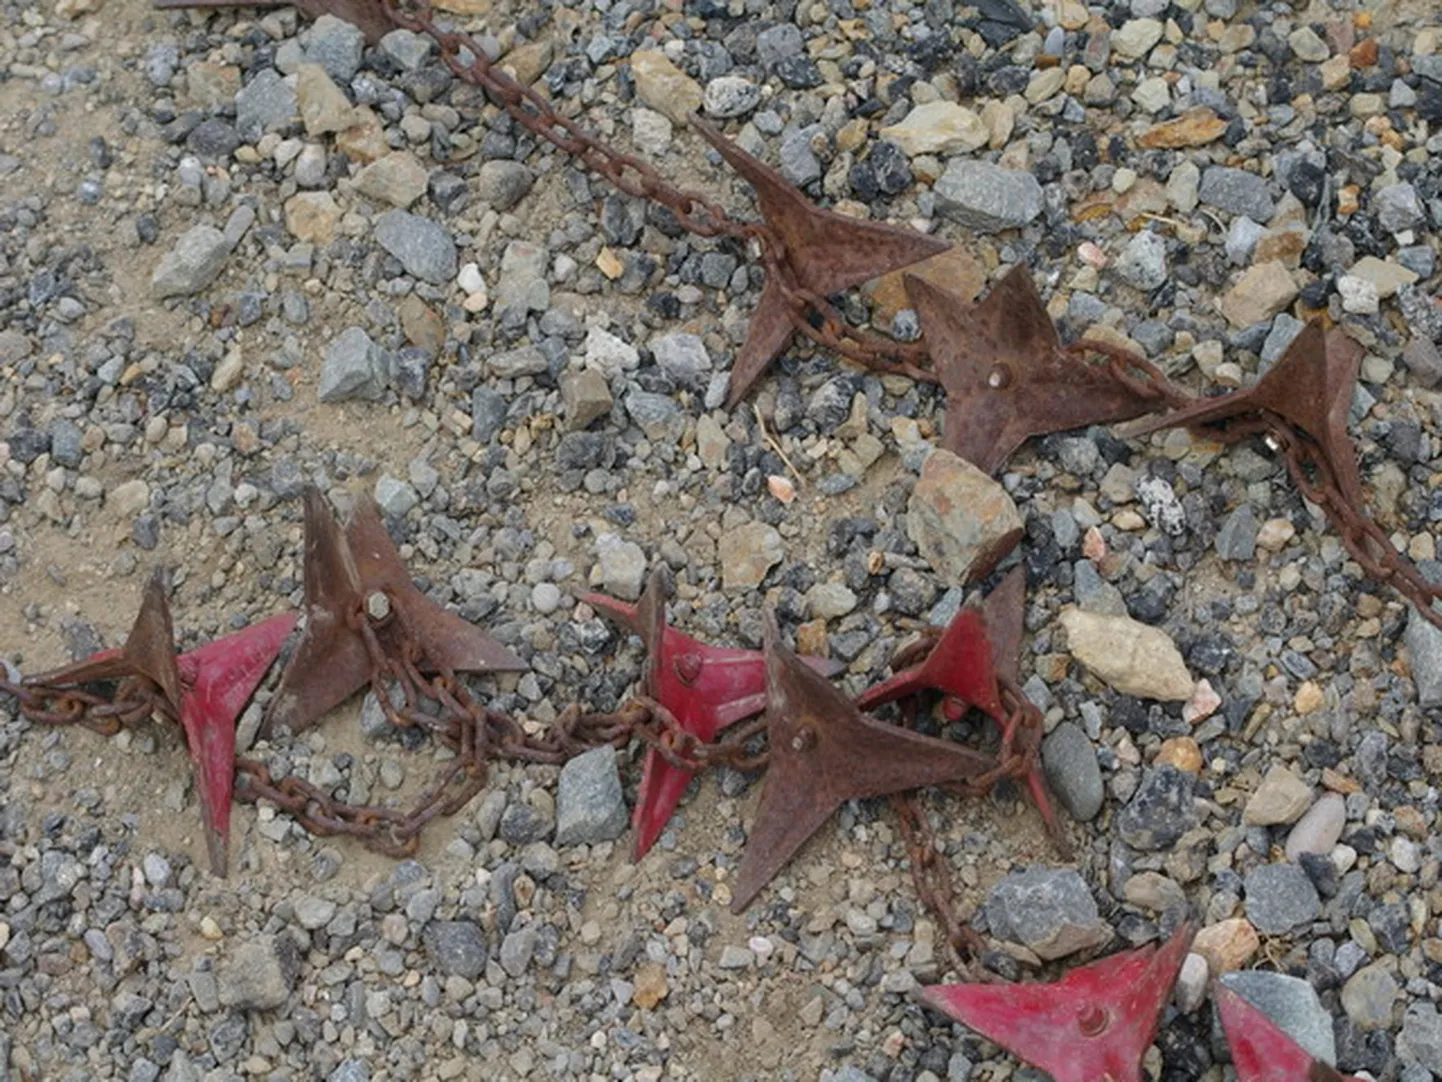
(825, 251)
(706, 688)
(447, 642)
(330, 663)
(823, 752)
(219, 678)
(1005, 373)
(1094, 1024)
(1261, 1050)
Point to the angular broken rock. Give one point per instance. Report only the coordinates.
(1260, 293)
(1050, 911)
(1281, 798)
(747, 553)
(1227, 945)
(259, 975)
(963, 522)
(1132, 657)
(938, 127)
(196, 260)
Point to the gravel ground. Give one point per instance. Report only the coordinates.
(240, 252)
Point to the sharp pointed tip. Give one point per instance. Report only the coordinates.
(218, 847)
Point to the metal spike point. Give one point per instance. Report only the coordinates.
(1261, 1050)
(828, 253)
(219, 678)
(149, 651)
(977, 651)
(1006, 375)
(1093, 1025)
(823, 752)
(706, 688)
(357, 574)
(1310, 388)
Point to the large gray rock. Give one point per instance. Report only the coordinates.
(1420, 1041)
(1292, 1004)
(1424, 647)
(267, 103)
(962, 521)
(589, 804)
(1237, 191)
(1050, 911)
(354, 367)
(986, 197)
(1280, 897)
(1070, 761)
(260, 974)
(196, 260)
(458, 946)
(424, 248)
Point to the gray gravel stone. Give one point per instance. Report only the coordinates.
(1143, 263)
(1424, 646)
(1368, 997)
(503, 183)
(1280, 897)
(517, 950)
(1048, 910)
(622, 566)
(1398, 207)
(589, 804)
(266, 104)
(986, 197)
(1160, 811)
(458, 947)
(1070, 761)
(1292, 1004)
(196, 260)
(1420, 1041)
(260, 974)
(423, 247)
(336, 45)
(730, 95)
(488, 413)
(1237, 539)
(684, 358)
(354, 367)
(1237, 191)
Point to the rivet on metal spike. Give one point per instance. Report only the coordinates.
(378, 606)
(999, 377)
(688, 668)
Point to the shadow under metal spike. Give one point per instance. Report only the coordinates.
(356, 574)
(1261, 1050)
(1307, 396)
(1093, 1025)
(823, 752)
(827, 252)
(1006, 374)
(972, 665)
(706, 688)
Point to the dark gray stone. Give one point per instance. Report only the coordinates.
(1160, 811)
(354, 367)
(1424, 648)
(986, 197)
(458, 946)
(1237, 539)
(260, 974)
(1280, 897)
(589, 805)
(1070, 761)
(488, 413)
(1048, 910)
(267, 103)
(424, 248)
(336, 45)
(1237, 191)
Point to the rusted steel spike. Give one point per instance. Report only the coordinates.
(204, 690)
(826, 251)
(1310, 388)
(1094, 1024)
(977, 651)
(823, 752)
(149, 651)
(1261, 1050)
(706, 689)
(219, 678)
(1006, 375)
(368, 15)
(357, 574)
